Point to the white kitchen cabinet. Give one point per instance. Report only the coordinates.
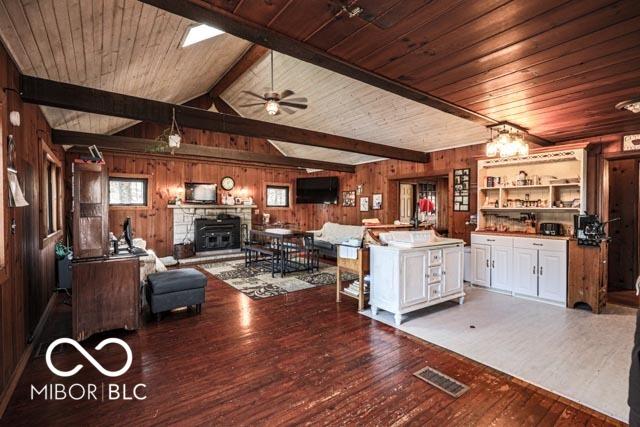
(501, 267)
(404, 280)
(526, 266)
(453, 262)
(552, 275)
(481, 264)
(525, 271)
(414, 277)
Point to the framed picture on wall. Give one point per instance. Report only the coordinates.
(364, 204)
(461, 185)
(377, 201)
(349, 199)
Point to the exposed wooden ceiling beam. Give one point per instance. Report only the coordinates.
(72, 97)
(222, 106)
(205, 13)
(250, 57)
(192, 151)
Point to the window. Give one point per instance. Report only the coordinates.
(51, 195)
(128, 191)
(277, 196)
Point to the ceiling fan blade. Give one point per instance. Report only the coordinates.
(287, 109)
(286, 93)
(251, 105)
(298, 100)
(253, 94)
(289, 104)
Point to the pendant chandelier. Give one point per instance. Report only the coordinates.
(506, 140)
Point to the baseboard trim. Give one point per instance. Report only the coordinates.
(6, 395)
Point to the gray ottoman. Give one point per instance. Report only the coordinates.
(176, 288)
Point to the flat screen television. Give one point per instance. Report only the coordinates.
(318, 190)
(200, 193)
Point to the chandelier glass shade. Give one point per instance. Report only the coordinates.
(506, 142)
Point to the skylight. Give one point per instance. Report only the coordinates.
(199, 33)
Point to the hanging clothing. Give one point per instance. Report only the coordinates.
(426, 205)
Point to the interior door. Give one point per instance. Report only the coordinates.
(480, 259)
(552, 278)
(525, 271)
(624, 247)
(414, 278)
(501, 268)
(406, 202)
(452, 274)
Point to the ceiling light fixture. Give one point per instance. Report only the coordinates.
(272, 107)
(198, 33)
(506, 140)
(632, 105)
(352, 11)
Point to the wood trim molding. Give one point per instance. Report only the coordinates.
(73, 97)
(150, 186)
(278, 184)
(48, 156)
(6, 395)
(190, 151)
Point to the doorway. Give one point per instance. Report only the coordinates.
(624, 248)
(428, 200)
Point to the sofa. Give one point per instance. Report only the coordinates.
(327, 239)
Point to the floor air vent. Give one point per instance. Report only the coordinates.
(442, 381)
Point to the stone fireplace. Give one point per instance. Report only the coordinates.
(216, 235)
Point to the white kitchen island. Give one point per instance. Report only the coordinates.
(415, 272)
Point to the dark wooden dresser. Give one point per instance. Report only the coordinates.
(106, 295)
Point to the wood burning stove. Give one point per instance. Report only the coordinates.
(212, 234)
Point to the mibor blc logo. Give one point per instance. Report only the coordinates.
(90, 391)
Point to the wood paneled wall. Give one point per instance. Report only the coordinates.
(154, 223)
(26, 290)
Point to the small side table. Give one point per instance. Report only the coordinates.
(359, 266)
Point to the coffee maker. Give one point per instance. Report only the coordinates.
(589, 230)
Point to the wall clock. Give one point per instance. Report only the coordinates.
(228, 183)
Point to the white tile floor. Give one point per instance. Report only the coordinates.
(574, 353)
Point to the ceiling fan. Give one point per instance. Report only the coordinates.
(274, 102)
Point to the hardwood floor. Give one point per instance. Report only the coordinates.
(627, 298)
(287, 360)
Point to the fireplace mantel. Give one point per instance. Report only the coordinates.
(209, 206)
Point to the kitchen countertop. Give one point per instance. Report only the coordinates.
(532, 236)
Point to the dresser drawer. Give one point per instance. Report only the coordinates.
(434, 291)
(489, 239)
(435, 257)
(435, 274)
(533, 243)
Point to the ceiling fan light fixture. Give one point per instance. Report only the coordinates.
(272, 107)
(198, 33)
(632, 105)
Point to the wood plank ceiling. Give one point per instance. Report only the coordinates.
(557, 67)
(343, 106)
(122, 46)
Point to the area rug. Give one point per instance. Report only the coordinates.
(256, 282)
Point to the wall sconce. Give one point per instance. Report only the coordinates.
(14, 118)
(359, 189)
